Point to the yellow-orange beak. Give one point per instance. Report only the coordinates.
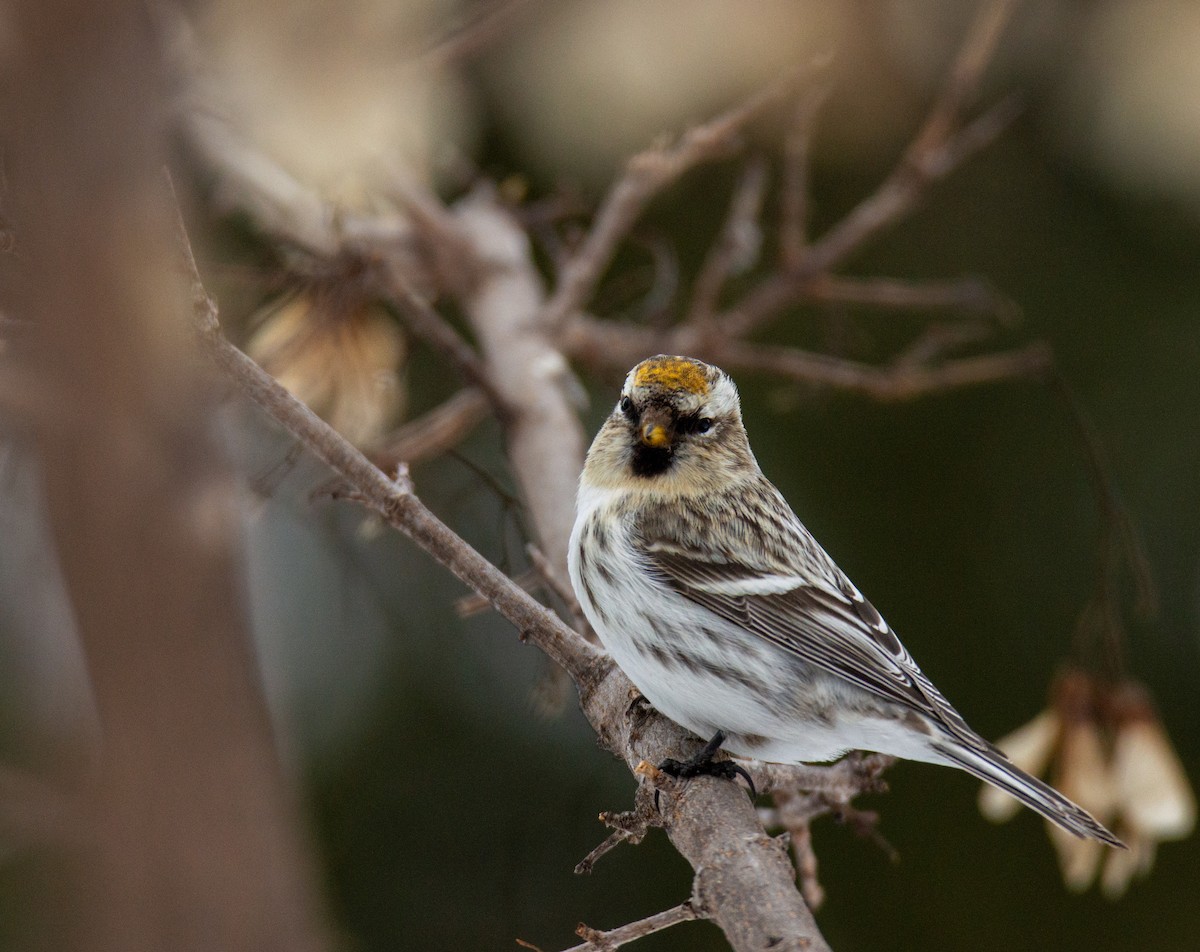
(656, 431)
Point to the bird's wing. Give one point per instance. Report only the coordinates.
(804, 604)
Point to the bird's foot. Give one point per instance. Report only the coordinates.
(703, 764)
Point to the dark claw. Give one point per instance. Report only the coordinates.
(703, 764)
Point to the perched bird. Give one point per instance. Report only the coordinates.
(729, 617)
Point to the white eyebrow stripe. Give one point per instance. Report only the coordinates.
(758, 585)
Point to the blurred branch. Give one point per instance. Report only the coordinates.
(896, 196)
(544, 438)
(647, 174)
(187, 833)
(427, 324)
(797, 147)
(968, 295)
(737, 247)
(618, 346)
(941, 145)
(430, 435)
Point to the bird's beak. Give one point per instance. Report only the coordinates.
(657, 429)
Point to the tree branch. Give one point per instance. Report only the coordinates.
(430, 435)
(647, 174)
(737, 246)
(939, 147)
(712, 823)
(615, 346)
(598, 941)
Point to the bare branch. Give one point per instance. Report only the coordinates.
(939, 340)
(598, 941)
(647, 174)
(895, 197)
(965, 75)
(396, 503)
(424, 321)
(938, 147)
(737, 247)
(968, 295)
(850, 777)
(895, 383)
(807, 866)
(630, 826)
(793, 223)
(430, 435)
(545, 442)
(617, 346)
(711, 823)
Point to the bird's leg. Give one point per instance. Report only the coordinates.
(703, 764)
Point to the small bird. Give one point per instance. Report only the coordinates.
(728, 616)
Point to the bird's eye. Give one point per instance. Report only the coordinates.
(627, 406)
(703, 425)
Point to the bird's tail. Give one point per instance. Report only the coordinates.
(994, 768)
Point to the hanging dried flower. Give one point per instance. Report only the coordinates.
(339, 353)
(1105, 748)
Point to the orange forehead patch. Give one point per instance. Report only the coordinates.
(671, 373)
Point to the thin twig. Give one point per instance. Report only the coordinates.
(435, 432)
(938, 341)
(737, 247)
(797, 147)
(426, 323)
(555, 583)
(851, 776)
(606, 344)
(394, 500)
(965, 75)
(939, 146)
(968, 295)
(807, 866)
(647, 174)
(897, 195)
(598, 941)
(891, 384)
(630, 826)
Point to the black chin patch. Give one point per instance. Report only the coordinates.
(650, 460)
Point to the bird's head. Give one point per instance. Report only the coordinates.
(676, 427)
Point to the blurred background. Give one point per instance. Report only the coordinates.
(447, 809)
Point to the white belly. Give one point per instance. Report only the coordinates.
(707, 674)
